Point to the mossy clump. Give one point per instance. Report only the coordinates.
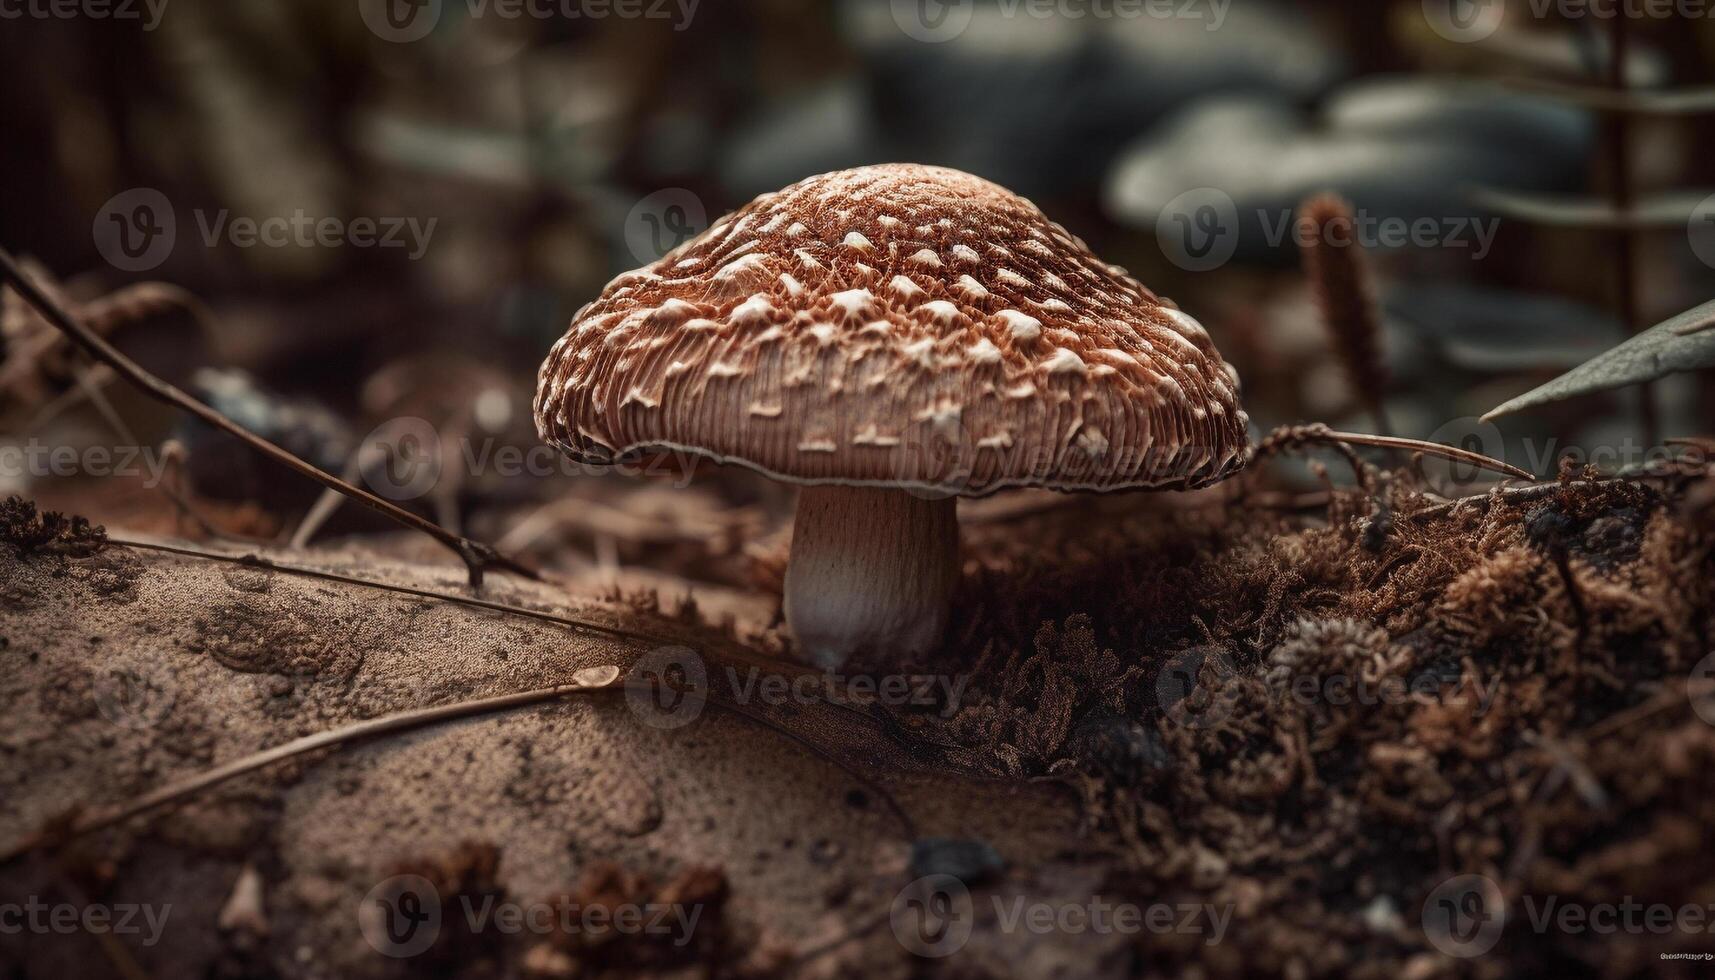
(48, 533)
(1318, 722)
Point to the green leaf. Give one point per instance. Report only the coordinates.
(1681, 343)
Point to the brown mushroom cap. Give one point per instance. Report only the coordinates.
(896, 325)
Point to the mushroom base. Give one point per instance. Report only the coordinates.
(871, 570)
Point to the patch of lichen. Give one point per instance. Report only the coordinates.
(1405, 691)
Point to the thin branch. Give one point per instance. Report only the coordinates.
(477, 556)
(1292, 436)
(256, 561)
(727, 648)
(588, 680)
(1432, 449)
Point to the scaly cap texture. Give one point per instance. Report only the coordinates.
(896, 325)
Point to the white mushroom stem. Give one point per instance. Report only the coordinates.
(871, 570)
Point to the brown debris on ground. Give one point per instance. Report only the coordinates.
(1308, 719)
(1492, 687)
(31, 532)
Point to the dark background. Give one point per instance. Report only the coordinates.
(552, 152)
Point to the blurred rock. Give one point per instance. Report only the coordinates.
(1490, 330)
(1397, 148)
(1042, 104)
(827, 128)
(1525, 46)
(222, 468)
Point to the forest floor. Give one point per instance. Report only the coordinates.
(1380, 733)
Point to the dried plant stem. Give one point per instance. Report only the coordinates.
(585, 681)
(1293, 436)
(729, 649)
(1433, 449)
(1334, 263)
(477, 557)
(255, 561)
(588, 680)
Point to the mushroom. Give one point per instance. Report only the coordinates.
(890, 338)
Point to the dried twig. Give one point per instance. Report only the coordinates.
(584, 681)
(729, 649)
(477, 556)
(588, 680)
(1289, 437)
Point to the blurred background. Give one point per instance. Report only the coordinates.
(369, 212)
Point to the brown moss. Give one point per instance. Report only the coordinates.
(52, 533)
(1471, 691)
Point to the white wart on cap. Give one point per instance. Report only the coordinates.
(897, 328)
